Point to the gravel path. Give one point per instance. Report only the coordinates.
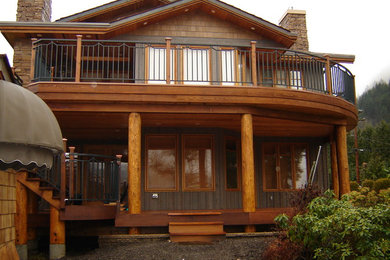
(230, 248)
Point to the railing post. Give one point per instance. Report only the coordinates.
(63, 176)
(168, 60)
(33, 53)
(71, 171)
(253, 61)
(78, 58)
(328, 76)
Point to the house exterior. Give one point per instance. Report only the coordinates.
(205, 112)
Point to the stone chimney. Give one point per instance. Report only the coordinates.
(34, 11)
(295, 21)
(28, 11)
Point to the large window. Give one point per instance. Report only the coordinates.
(284, 166)
(198, 162)
(196, 65)
(157, 61)
(228, 67)
(161, 170)
(232, 163)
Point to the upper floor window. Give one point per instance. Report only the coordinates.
(157, 63)
(196, 65)
(228, 66)
(284, 166)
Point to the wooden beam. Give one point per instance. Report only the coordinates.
(78, 58)
(88, 212)
(168, 60)
(334, 166)
(328, 75)
(253, 62)
(134, 168)
(248, 172)
(21, 214)
(342, 159)
(57, 227)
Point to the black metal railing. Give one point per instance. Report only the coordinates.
(92, 177)
(130, 62)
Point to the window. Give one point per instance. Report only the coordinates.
(232, 163)
(157, 65)
(196, 66)
(198, 162)
(161, 170)
(228, 67)
(284, 166)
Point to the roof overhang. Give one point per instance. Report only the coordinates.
(15, 30)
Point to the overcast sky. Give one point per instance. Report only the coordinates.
(337, 26)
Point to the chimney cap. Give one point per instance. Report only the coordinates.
(292, 11)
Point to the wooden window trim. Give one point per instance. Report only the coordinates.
(173, 63)
(212, 163)
(293, 167)
(176, 166)
(238, 145)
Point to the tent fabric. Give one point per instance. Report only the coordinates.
(29, 131)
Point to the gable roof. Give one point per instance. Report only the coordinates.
(111, 8)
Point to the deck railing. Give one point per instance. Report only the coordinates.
(133, 62)
(80, 177)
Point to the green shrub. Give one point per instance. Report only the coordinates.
(381, 184)
(368, 183)
(354, 185)
(337, 229)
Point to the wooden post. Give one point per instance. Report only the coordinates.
(63, 176)
(168, 60)
(248, 171)
(78, 58)
(57, 235)
(253, 61)
(335, 170)
(134, 170)
(33, 54)
(71, 171)
(21, 220)
(342, 159)
(32, 208)
(328, 76)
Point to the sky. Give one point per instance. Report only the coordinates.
(357, 27)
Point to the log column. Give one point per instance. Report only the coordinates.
(342, 159)
(134, 170)
(21, 220)
(335, 170)
(248, 172)
(57, 235)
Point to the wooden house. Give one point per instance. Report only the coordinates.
(206, 112)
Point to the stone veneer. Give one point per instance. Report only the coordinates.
(7, 215)
(28, 11)
(295, 21)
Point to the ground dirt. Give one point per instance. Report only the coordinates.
(229, 248)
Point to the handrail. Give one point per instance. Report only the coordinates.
(147, 62)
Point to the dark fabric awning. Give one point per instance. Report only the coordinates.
(29, 131)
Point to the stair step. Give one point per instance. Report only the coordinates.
(194, 213)
(196, 232)
(33, 179)
(46, 188)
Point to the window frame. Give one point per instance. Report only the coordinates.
(184, 81)
(183, 174)
(293, 166)
(173, 64)
(177, 173)
(238, 153)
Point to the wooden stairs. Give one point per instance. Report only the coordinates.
(195, 231)
(38, 186)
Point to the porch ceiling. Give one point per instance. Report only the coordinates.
(114, 126)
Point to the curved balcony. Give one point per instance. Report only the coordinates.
(230, 66)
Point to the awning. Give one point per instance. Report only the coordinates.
(29, 131)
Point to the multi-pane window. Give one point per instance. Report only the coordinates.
(196, 65)
(157, 57)
(284, 166)
(198, 162)
(232, 163)
(161, 161)
(228, 67)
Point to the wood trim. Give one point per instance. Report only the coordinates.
(78, 58)
(184, 189)
(33, 53)
(176, 167)
(253, 61)
(239, 161)
(88, 212)
(168, 60)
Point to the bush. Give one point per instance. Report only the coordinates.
(381, 184)
(368, 183)
(337, 229)
(354, 185)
